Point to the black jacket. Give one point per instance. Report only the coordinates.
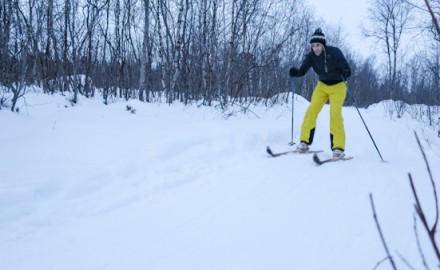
(329, 66)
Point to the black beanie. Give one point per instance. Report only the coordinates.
(318, 37)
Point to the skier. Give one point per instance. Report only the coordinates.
(331, 66)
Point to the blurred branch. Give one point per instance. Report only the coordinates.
(419, 245)
(405, 261)
(434, 19)
(380, 233)
(379, 263)
(431, 231)
(421, 214)
(432, 183)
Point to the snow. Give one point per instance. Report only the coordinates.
(184, 187)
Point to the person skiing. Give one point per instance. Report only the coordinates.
(332, 68)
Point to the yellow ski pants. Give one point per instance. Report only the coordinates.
(336, 94)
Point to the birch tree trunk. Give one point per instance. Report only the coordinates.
(177, 53)
(145, 60)
(47, 52)
(232, 52)
(65, 47)
(161, 47)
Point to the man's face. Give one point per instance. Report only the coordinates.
(317, 48)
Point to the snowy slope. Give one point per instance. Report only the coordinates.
(182, 187)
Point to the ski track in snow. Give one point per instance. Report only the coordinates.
(175, 187)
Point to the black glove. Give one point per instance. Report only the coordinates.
(343, 72)
(294, 72)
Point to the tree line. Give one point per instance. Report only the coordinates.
(227, 51)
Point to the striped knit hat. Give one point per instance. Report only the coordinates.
(318, 37)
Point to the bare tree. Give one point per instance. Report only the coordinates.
(161, 45)
(145, 70)
(208, 46)
(178, 44)
(18, 62)
(65, 46)
(389, 20)
(75, 30)
(50, 51)
(6, 14)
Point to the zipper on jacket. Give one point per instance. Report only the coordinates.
(325, 60)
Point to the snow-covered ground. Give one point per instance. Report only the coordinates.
(183, 187)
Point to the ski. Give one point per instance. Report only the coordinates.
(320, 162)
(272, 154)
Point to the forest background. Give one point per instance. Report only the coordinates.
(228, 51)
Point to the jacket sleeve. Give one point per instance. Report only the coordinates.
(305, 65)
(342, 65)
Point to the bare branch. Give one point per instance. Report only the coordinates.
(380, 233)
(422, 217)
(434, 19)
(405, 261)
(434, 189)
(380, 262)
(419, 246)
(431, 231)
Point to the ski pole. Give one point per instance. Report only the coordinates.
(292, 79)
(365, 125)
